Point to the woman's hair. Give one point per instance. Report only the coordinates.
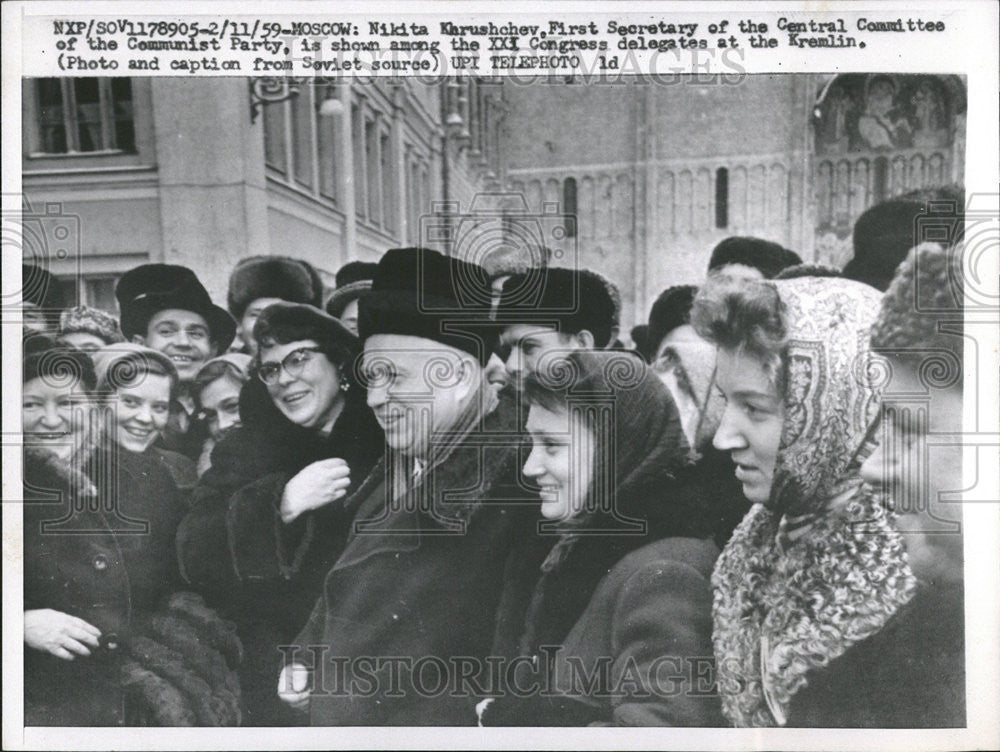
(46, 358)
(212, 372)
(125, 369)
(745, 317)
(282, 323)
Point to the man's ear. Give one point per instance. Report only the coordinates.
(585, 339)
(138, 339)
(469, 373)
(213, 348)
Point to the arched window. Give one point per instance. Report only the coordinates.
(880, 180)
(569, 206)
(722, 198)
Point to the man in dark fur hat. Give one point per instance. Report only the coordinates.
(547, 313)
(259, 281)
(354, 279)
(422, 570)
(885, 233)
(751, 257)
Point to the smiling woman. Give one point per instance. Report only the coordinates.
(83, 588)
(622, 573)
(268, 518)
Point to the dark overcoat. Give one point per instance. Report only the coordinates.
(910, 674)
(416, 589)
(639, 655)
(103, 552)
(234, 548)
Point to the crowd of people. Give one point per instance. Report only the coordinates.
(445, 493)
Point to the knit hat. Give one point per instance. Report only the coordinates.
(45, 357)
(671, 310)
(922, 309)
(767, 257)
(885, 233)
(422, 293)
(92, 321)
(119, 363)
(144, 291)
(571, 299)
(353, 280)
(280, 277)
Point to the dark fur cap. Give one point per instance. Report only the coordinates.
(281, 277)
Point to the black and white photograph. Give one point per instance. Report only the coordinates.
(415, 376)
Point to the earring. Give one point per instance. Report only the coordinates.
(344, 386)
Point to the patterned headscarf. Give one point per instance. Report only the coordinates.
(819, 567)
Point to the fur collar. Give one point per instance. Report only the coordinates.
(780, 614)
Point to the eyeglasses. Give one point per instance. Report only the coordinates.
(293, 363)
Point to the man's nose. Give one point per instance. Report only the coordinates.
(513, 362)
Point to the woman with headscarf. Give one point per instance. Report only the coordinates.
(109, 640)
(815, 567)
(620, 582)
(265, 524)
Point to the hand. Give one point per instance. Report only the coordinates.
(315, 486)
(293, 686)
(60, 634)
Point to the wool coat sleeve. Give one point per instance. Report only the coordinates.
(661, 640)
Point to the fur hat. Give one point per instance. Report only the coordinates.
(767, 257)
(45, 357)
(926, 292)
(423, 293)
(353, 280)
(670, 310)
(572, 299)
(150, 288)
(92, 321)
(886, 232)
(281, 277)
(640, 338)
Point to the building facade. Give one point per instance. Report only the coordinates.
(203, 172)
(656, 174)
(635, 179)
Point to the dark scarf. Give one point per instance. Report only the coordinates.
(652, 475)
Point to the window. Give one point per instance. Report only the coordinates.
(880, 180)
(300, 143)
(85, 115)
(373, 164)
(388, 184)
(360, 179)
(96, 292)
(721, 198)
(569, 206)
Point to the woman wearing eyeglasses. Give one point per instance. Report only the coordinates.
(268, 520)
